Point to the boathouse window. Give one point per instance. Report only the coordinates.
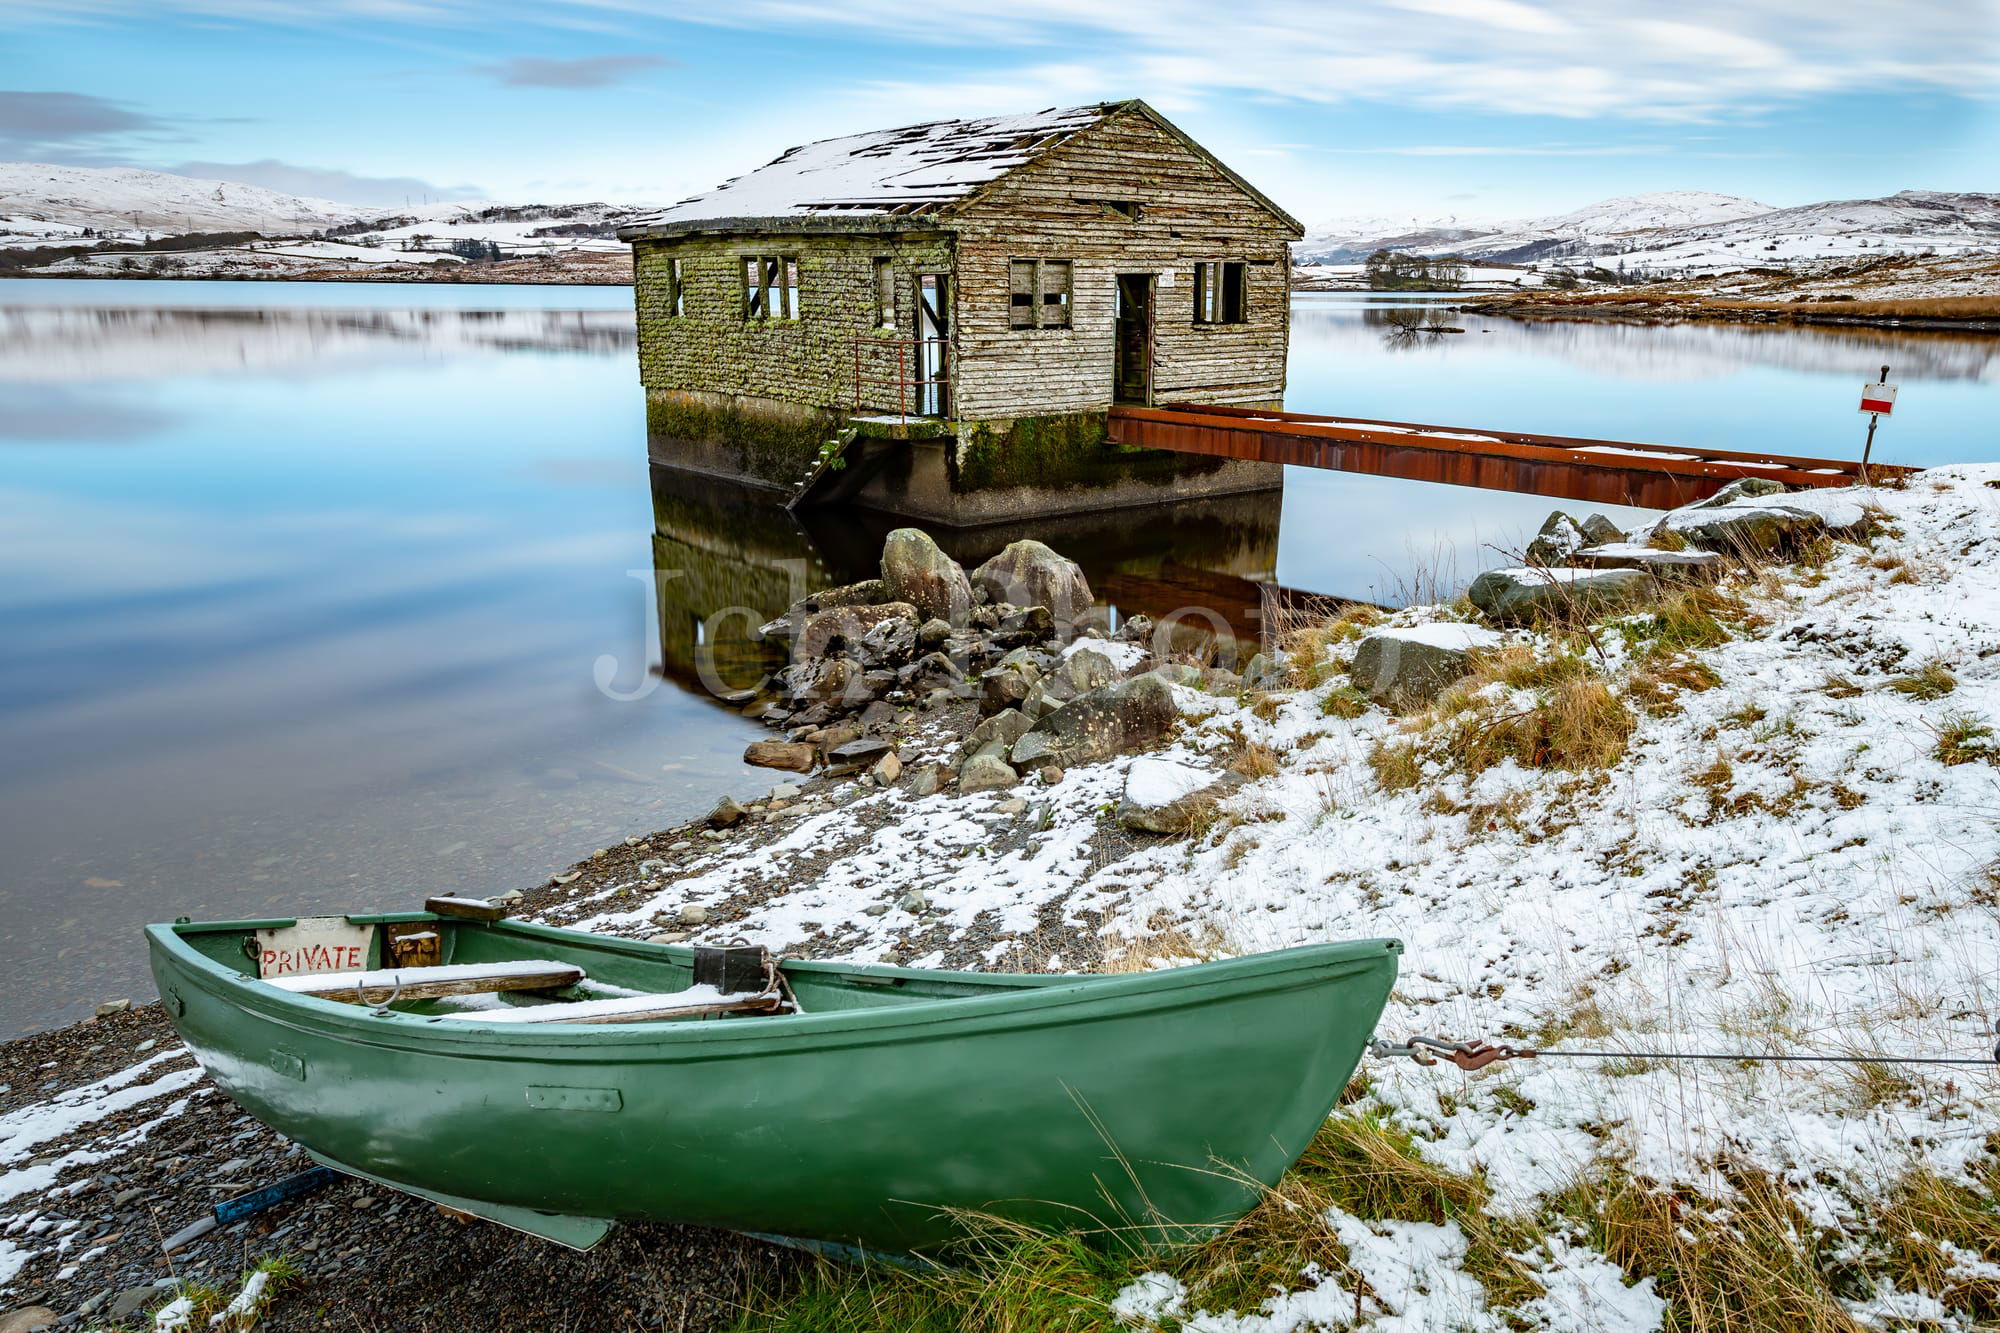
(885, 294)
(770, 287)
(1038, 293)
(676, 295)
(1218, 293)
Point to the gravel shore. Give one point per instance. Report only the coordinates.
(115, 1140)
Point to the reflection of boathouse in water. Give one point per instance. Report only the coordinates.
(958, 304)
(727, 561)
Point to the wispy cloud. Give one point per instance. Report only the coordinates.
(72, 127)
(1569, 58)
(584, 72)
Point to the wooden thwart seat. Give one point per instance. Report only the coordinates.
(694, 1003)
(428, 983)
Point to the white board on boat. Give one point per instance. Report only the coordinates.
(313, 944)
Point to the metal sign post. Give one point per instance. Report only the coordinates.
(1878, 400)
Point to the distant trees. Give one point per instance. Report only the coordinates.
(476, 251)
(1393, 270)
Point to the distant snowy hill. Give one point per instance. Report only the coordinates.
(1686, 230)
(127, 198)
(48, 205)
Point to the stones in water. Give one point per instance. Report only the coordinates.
(914, 570)
(843, 625)
(1409, 667)
(1027, 573)
(1520, 596)
(865, 593)
(985, 772)
(792, 755)
(1114, 719)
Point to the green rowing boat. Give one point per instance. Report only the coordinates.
(557, 1081)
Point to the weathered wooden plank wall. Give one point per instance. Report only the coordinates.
(1188, 212)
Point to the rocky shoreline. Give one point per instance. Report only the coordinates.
(889, 833)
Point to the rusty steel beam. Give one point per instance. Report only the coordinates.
(1647, 476)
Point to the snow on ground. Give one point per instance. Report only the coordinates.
(32, 1156)
(1783, 864)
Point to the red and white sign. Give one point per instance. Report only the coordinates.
(1878, 398)
(311, 945)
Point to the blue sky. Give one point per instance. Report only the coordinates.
(1479, 108)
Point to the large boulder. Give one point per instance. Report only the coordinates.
(1599, 530)
(1744, 528)
(1115, 719)
(848, 624)
(1004, 728)
(1165, 797)
(865, 593)
(985, 772)
(1517, 596)
(1028, 573)
(914, 570)
(1672, 566)
(1743, 488)
(1409, 667)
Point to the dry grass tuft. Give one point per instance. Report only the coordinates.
(1749, 1269)
(1344, 701)
(1931, 680)
(1255, 760)
(1964, 738)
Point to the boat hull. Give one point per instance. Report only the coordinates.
(1162, 1102)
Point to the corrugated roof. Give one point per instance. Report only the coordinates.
(886, 172)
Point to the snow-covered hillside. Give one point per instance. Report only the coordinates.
(1689, 231)
(66, 199)
(41, 204)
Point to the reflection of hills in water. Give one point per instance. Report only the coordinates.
(728, 559)
(82, 343)
(1663, 351)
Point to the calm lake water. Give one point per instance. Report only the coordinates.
(317, 597)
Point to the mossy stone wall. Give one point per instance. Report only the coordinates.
(1062, 452)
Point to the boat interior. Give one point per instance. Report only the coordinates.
(463, 960)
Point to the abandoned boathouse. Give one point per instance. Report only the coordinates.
(952, 308)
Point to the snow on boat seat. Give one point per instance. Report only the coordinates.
(690, 1003)
(428, 983)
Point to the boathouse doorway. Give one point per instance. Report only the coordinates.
(933, 359)
(1132, 373)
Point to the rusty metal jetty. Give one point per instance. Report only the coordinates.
(1648, 476)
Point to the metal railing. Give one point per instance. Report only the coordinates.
(929, 393)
